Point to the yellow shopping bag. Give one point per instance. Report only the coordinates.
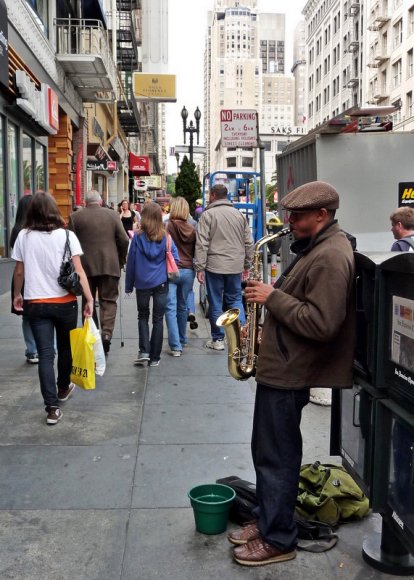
(83, 360)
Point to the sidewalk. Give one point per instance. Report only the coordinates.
(103, 494)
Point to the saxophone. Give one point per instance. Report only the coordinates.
(242, 341)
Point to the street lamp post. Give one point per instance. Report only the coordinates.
(191, 129)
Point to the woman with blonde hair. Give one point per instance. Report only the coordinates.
(147, 271)
(183, 235)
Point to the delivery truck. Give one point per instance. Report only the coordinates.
(369, 169)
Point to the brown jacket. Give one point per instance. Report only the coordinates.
(184, 237)
(309, 329)
(103, 240)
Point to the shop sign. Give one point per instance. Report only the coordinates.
(154, 87)
(100, 165)
(36, 103)
(239, 128)
(4, 46)
(139, 164)
(406, 194)
(153, 181)
(288, 130)
(53, 109)
(101, 154)
(139, 184)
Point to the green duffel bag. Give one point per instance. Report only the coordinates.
(327, 493)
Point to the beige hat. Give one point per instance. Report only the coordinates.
(312, 195)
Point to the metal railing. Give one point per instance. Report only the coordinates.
(80, 36)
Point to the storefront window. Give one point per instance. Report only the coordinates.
(40, 168)
(27, 165)
(13, 174)
(2, 200)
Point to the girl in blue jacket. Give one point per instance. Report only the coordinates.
(146, 271)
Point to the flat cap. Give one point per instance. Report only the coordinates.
(312, 195)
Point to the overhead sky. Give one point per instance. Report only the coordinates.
(187, 27)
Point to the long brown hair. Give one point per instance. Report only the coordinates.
(151, 222)
(43, 214)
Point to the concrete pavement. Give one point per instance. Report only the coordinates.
(103, 494)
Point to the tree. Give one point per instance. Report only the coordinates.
(171, 185)
(187, 184)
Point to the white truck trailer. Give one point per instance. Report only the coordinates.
(366, 168)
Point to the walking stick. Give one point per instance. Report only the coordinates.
(121, 299)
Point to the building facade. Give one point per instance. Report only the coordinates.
(335, 66)
(390, 59)
(244, 64)
(299, 74)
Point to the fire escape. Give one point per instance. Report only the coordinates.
(128, 39)
(379, 53)
(352, 48)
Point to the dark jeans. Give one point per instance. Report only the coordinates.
(45, 319)
(151, 346)
(277, 457)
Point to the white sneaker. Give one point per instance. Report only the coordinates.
(142, 358)
(215, 344)
(176, 353)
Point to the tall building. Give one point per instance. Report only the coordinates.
(390, 58)
(244, 49)
(334, 57)
(299, 73)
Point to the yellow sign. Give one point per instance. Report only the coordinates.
(154, 87)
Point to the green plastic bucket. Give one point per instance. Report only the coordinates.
(211, 505)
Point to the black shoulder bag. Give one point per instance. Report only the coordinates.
(68, 278)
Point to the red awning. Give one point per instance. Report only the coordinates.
(139, 164)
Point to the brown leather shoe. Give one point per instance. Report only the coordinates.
(258, 553)
(249, 531)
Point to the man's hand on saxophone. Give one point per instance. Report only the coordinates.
(257, 291)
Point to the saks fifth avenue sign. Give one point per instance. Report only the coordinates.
(42, 106)
(281, 130)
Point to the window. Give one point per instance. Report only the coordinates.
(27, 164)
(247, 161)
(411, 20)
(13, 170)
(267, 145)
(2, 207)
(39, 175)
(410, 63)
(231, 161)
(397, 33)
(396, 73)
(39, 9)
(409, 104)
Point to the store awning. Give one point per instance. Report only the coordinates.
(139, 164)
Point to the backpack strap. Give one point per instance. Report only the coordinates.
(409, 240)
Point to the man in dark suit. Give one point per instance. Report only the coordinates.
(105, 246)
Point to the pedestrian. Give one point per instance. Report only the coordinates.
(146, 271)
(402, 227)
(105, 245)
(21, 216)
(307, 341)
(198, 209)
(224, 248)
(183, 234)
(38, 251)
(128, 218)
